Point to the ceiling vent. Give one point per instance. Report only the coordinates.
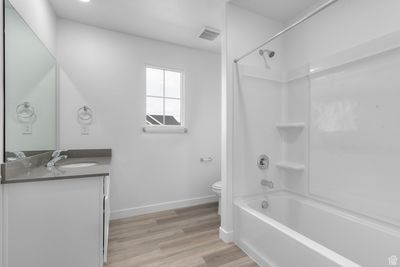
(209, 34)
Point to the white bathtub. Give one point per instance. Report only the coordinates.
(295, 231)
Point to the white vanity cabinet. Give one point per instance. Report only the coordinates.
(55, 223)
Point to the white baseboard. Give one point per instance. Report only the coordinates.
(125, 213)
(226, 236)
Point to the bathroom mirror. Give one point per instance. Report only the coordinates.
(30, 90)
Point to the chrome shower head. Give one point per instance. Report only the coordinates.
(270, 53)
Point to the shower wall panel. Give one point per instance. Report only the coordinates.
(355, 136)
(295, 109)
(258, 108)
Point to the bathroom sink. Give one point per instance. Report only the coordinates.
(78, 165)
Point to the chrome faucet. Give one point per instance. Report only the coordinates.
(56, 157)
(267, 183)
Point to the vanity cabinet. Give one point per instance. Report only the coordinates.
(55, 223)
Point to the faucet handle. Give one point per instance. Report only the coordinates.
(263, 162)
(57, 153)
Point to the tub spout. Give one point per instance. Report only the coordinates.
(267, 183)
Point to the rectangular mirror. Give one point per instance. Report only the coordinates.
(30, 84)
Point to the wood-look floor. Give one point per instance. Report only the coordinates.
(185, 237)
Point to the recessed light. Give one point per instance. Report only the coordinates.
(85, 1)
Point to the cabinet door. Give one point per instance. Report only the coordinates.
(55, 223)
(106, 215)
(106, 224)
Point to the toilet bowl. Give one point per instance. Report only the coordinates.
(217, 188)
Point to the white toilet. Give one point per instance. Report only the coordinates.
(217, 188)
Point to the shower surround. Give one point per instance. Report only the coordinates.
(327, 121)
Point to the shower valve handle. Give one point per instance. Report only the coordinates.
(263, 162)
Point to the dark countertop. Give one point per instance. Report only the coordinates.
(33, 169)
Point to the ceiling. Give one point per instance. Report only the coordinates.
(280, 10)
(174, 21)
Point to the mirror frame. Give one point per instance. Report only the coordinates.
(4, 80)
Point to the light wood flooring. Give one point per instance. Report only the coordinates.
(185, 237)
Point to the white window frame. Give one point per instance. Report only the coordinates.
(167, 128)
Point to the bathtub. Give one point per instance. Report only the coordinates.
(295, 231)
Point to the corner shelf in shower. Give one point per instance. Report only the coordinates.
(290, 166)
(293, 125)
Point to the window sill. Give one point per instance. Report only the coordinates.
(164, 129)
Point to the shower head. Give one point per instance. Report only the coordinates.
(270, 53)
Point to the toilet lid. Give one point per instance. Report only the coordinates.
(217, 185)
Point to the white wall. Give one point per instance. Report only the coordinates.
(246, 30)
(106, 71)
(39, 15)
(249, 104)
(344, 25)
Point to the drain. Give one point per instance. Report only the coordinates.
(264, 204)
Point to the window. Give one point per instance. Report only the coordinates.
(164, 89)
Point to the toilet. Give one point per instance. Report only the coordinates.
(217, 188)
